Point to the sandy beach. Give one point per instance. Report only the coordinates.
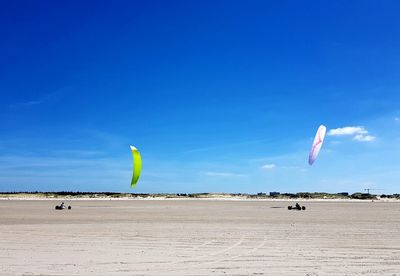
(197, 237)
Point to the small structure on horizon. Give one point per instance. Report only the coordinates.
(369, 189)
(274, 193)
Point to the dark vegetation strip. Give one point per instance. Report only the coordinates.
(302, 195)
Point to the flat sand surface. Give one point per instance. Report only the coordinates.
(198, 237)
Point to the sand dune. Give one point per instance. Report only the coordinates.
(194, 237)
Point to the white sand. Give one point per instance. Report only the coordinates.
(197, 237)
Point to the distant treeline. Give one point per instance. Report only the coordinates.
(317, 195)
(276, 195)
(304, 195)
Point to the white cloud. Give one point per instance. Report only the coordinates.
(364, 138)
(269, 167)
(347, 131)
(359, 133)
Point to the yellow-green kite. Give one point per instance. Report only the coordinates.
(137, 166)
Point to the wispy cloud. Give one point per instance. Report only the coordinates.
(223, 174)
(108, 139)
(359, 133)
(79, 153)
(225, 145)
(41, 100)
(33, 103)
(364, 138)
(26, 104)
(34, 162)
(268, 167)
(51, 173)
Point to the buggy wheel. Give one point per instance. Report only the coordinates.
(303, 207)
(289, 207)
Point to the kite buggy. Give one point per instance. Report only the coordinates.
(62, 207)
(297, 207)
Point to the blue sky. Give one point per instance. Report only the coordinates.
(219, 96)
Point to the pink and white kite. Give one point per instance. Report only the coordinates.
(317, 144)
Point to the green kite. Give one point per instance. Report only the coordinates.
(137, 166)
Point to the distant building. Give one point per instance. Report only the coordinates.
(274, 193)
(343, 194)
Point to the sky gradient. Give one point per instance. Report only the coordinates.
(218, 96)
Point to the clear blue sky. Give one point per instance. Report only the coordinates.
(219, 96)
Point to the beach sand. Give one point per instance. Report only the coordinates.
(199, 237)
